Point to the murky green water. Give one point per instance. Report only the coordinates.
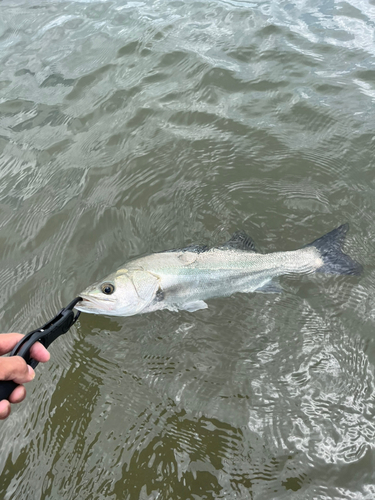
(127, 128)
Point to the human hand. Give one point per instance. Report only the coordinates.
(15, 368)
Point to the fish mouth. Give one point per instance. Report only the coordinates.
(93, 304)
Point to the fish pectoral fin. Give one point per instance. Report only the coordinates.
(272, 286)
(194, 306)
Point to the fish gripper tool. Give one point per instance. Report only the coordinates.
(46, 334)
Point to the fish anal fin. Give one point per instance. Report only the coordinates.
(240, 241)
(272, 286)
(194, 305)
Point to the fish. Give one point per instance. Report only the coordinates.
(185, 279)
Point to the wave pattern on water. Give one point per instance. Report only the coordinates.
(128, 128)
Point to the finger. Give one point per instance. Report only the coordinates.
(18, 394)
(15, 368)
(8, 341)
(39, 353)
(4, 409)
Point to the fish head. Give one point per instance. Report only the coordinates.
(123, 293)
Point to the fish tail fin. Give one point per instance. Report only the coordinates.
(335, 261)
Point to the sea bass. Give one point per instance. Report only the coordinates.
(184, 279)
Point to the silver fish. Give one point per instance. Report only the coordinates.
(186, 278)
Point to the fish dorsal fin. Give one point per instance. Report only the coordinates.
(196, 248)
(240, 241)
(191, 248)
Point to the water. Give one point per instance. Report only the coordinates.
(128, 128)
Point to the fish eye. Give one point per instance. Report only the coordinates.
(108, 288)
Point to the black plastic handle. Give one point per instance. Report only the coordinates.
(8, 386)
(46, 334)
(6, 389)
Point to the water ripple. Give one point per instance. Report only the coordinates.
(132, 128)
